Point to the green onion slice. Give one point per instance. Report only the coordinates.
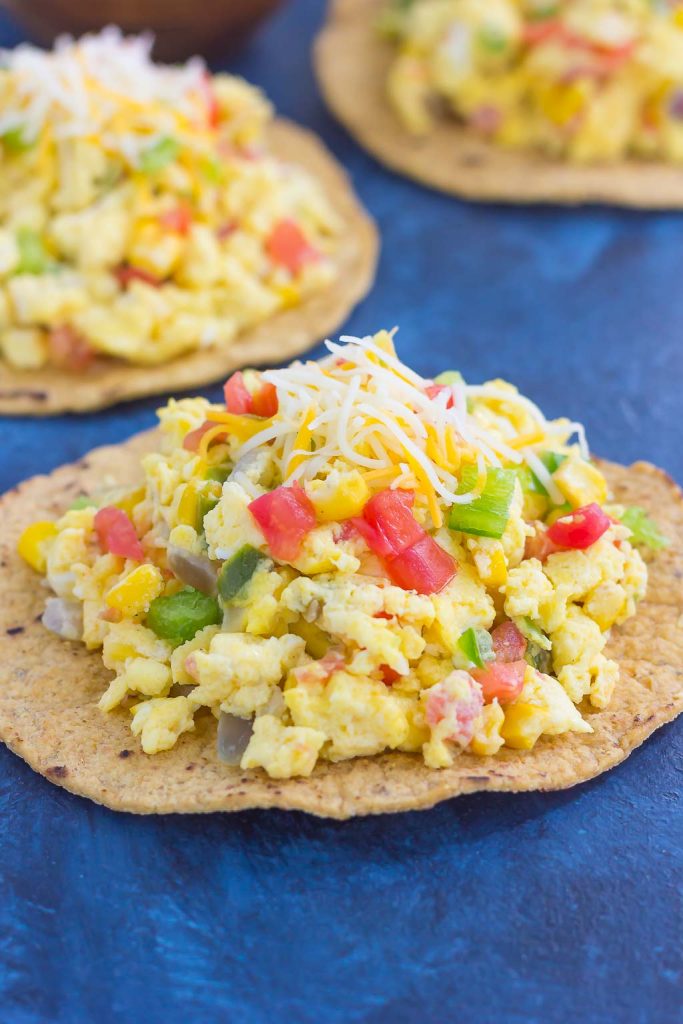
(487, 515)
(532, 633)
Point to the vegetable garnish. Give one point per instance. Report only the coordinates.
(350, 558)
(643, 529)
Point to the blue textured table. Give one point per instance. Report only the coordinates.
(532, 909)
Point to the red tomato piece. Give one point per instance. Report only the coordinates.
(322, 670)
(125, 274)
(388, 524)
(435, 389)
(540, 545)
(178, 220)
(508, 642)
(501, 679)
(191, 440)
(264, 401)
(237, 396)
(424, 567)
(462, 712)
(226, 230)
(580, 528)
(389, 675)
(285, 516)
(116, 534)
(69, 350)
(213, 113)
(288, 246)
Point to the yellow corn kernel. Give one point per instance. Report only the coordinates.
(134, 594)
(678, 18)
(189, 504)
(491, 563)
(487, 739)
(128, 501)
(535, 506)
(580, 482)
(523, 725)
(32, 541)
(290, 295)
(562, 103)
(346, 501)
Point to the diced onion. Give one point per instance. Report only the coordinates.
(196, 571)
(65, 618)
(233, 737)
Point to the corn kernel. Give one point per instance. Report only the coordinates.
(345, 501)
(128, 501)
(580, 482)
(489, 558)
(523, 725)
(32, 541)
(134, 594)
(188, 504)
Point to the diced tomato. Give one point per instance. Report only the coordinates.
(213, 113)
(178, 220)
(580, 528)
(69, 350)
(508, 642)
(285, 516)
(424, 567)
(501, 679)
(116, 534)
(191, 440)
(388, 524)
(321, 670)
(389, 675)
(125, 274)
(540, 546)
(237, 396)
(383, 615)
(226, 230)
(538, 31)
(264, 401)
(435, 389)
(288, 246)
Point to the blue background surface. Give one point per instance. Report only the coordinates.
(526, 909)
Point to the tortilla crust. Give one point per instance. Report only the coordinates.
(49, 690)
(283, 336)
(352, 61)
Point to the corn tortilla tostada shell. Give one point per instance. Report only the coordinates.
(281, 337)
(352, 61)
(49, 689)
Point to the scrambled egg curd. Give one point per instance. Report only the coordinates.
(346, 558)
(587, 80)
(141, 213)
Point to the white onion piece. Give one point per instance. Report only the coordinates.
(65, 618)
(196, 571)
(233, 737)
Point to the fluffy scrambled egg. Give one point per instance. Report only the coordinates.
(145, 217)
(285, 574)
(587, 80)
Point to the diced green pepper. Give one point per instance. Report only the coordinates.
(532, 633)
(477, 646)
(236, 573)
(487, 515)
(179, 618)
(492, 39)
(539, 659)
(219, 473)
(449, 377)
(14, 140)
(643, 529)
(82, 502)
(159, 156)
(205, 502)
(33, 257)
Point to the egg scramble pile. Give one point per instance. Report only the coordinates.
(346, 558)
(586, 80)
(141, 213)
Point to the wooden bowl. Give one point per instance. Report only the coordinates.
(182, 28)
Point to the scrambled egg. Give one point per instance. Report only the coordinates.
(284, 572)
(145, 217)
(587, 80)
